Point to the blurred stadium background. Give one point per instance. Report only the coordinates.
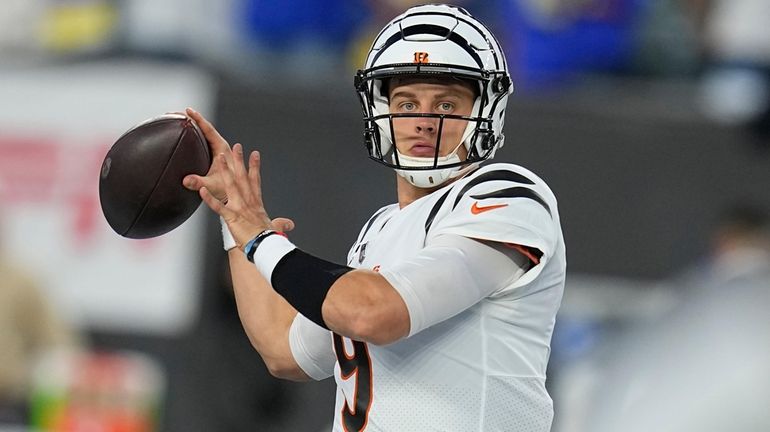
(648, 118)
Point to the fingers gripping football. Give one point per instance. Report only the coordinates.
(244, 211)
(218, 145)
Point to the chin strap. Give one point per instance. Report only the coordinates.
(432, 177)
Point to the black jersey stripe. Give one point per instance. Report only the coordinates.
(370, 223)
(434, 30)
(504, 175)
(435, 210)
(515, 192)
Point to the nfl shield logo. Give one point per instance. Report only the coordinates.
(362, 253)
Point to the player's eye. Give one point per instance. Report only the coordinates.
(446, 106)
(408, 106)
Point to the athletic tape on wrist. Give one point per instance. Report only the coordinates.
(228, 242)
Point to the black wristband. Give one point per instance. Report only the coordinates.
(253, 244)
(304, 280)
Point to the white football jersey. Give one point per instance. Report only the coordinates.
(480, 370)
(483, 369)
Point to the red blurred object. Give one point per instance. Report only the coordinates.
(97, 392)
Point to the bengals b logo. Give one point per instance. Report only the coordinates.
(421, 57)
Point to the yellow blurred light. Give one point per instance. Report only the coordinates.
(77, 27)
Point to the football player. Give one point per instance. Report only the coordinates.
(441, 319)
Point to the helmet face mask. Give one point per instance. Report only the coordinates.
(435, 42)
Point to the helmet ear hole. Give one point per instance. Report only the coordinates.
(487, 142)
(501, 84)
(359, 82)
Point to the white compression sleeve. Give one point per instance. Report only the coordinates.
(312, 348)
(450, 275)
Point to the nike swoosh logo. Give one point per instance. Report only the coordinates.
(476, 208)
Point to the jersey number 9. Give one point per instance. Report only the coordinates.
(360, 365)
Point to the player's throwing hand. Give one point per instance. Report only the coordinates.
(243, 211)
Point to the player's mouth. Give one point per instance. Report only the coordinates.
(422, 149)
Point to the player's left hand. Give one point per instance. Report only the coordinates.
(243, 211)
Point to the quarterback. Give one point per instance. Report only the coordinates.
(441, 318)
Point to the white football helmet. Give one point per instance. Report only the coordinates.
(435, 41)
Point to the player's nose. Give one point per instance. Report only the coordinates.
(426, 124)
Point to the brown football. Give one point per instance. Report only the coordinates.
(140, 186)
